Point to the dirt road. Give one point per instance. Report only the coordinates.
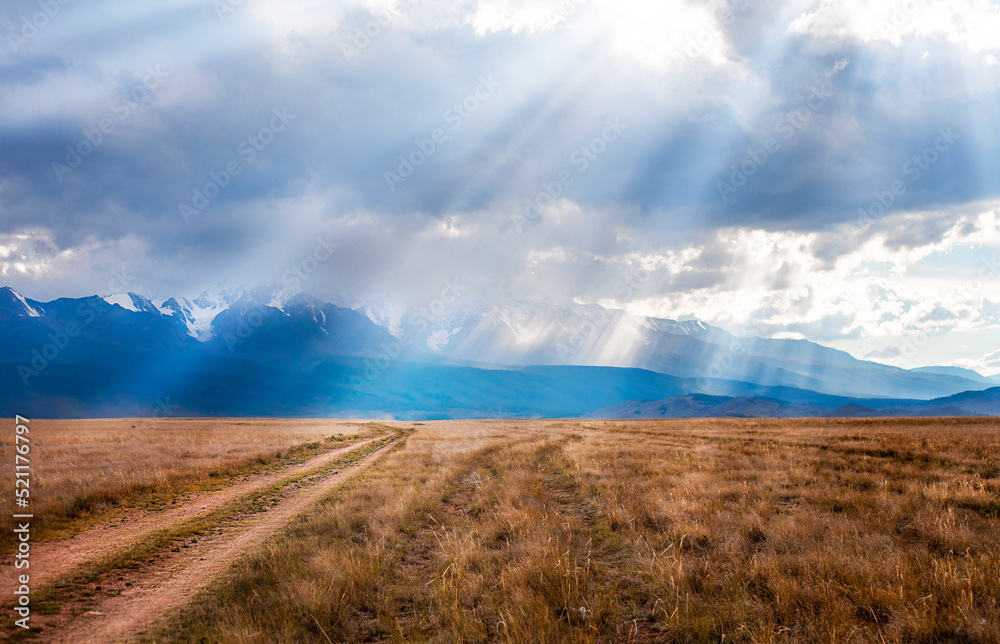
(139, 599)
(54, 559)
(192, 545)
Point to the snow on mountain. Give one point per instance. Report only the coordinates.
(304, 331)
(305, 305)
(179, 307)
(383, 313)
(277, 302)
(15, 303)
(132, 302)
(218, 297)
(520, 332)
(693, 328)
(121, 299)
(525, 327)
(439, 339)
(197, 315)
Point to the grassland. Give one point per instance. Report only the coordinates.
(675, 531)
(84, 470)
(565, 531)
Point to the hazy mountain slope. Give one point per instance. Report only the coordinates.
(267, 355)
(980, 403)
(958, 372)
(529, 333)
(702, 406)
(303, 333)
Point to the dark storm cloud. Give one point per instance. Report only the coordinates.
(550, 98)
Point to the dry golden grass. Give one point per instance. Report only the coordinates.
(672, 531)
(85, 469)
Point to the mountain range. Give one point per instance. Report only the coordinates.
(235, 352)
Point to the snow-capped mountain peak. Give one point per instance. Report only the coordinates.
(15, 303)
(694, 328)
(197, 315)
(218, 297)
(383, 313)
(308, 332)
(132, 302)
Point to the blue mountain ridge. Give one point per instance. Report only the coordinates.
(87, 357)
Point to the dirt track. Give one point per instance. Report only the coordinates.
(147, 595)
(54, 559)
(127, 602)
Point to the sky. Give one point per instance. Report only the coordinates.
(825, 170)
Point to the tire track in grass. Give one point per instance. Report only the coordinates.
(51, 560)
(145, 596)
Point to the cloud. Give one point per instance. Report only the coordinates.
(988, 364)
(28, 253)
(969, 23)
(664, 37)
(887, 353)
(699, 89)
(843, 283)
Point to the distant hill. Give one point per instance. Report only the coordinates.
(978, 403)
(519, 333)
(702, 406)
(958, 372)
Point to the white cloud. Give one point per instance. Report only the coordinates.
(32, 258)
(871, 291)
(988, 365)
(657, 35)
(530, 16)
(872, 294)
(970, 23)
(664, 34)
(26, 253)
(299, 17)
